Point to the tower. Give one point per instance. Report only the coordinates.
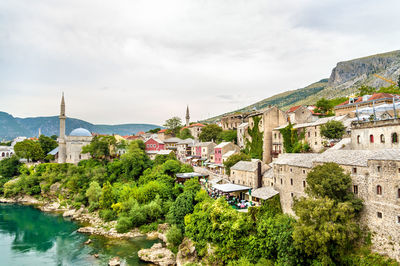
(187, 116)
(62, 149)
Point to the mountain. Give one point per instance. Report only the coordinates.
(11, 127)
(344, 80)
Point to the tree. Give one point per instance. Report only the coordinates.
(107, 196)
(185, 134)
(101, 147)
(155, 130)
(333, 130)
(324, 107)
(93, 193)
(173, 125)
(183, 205)
(328, 180)
(325, 229)
(233, 159)
(54, 137)
(9, 167)
(29, 149)
(174, 236)
(366, 90)
(254, 145)
(134, 161)
(228, 136)
(47, 143)
(210, 133)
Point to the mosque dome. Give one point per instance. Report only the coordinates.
(80, 132)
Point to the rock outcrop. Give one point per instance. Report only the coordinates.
(187, 253)
(158, 255)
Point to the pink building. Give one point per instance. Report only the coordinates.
(223, 148)
(154, 145)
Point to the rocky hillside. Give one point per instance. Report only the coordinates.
(11, 127)
(344, 80)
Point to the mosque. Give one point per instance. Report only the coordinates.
(70, 147)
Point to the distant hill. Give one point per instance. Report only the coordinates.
(11, 127)
(344, 80)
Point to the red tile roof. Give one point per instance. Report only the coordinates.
(375, 96)
(162, 131)
(140, 133)
(294, 108)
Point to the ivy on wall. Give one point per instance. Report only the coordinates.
(254, 148)
(293, 140)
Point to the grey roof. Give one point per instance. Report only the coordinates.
(269, 173)
(164, 152)
(387, 155)
(264, 192)
(230, 187)
(54, 151)
(297, 159)
(190, 175)
(172, 140)
(204, 144)
(245, 166)
(228, 153)
(346, 157)
(320, 121)
(222, 144)
(185, 141)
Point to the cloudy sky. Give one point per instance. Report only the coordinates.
(130, 61)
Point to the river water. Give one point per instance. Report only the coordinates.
(31, 237)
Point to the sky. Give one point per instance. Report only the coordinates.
(130, 61)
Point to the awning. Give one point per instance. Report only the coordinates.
(227, 188)
(195, 160)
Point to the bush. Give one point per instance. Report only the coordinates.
(124, 224)
(137, 215)
(107, 215)
(174, 236)
(93, 206)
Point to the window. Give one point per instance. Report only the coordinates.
(394, 138)
(355, 189)
(304, 171)
(358, 139)
(315, 133)
(274, 135)
(304, 183)
(382, 138)
(371, 138)
(292, 195)
(398, 193)
(398, 219)
(379, 214)
(291, 181)
(291, 170)
(378, 190)
(281, 181)
(378, 169)
(355, 170)
(309, 134)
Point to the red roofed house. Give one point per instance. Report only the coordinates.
(301, 114)
(162, 135)
(153, 144)
(349, 106)
(195, 129)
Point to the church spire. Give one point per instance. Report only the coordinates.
(187, 116)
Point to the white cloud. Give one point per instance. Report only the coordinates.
(143, 61)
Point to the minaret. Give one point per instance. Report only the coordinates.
(62, 149)
(187, 116)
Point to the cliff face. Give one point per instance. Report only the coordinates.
(357, 70)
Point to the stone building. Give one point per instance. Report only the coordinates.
(375, 179)
(232, 121)
(195, 129)
(222, 150)
(301, 114)
(248, 173)
(70, 147)
(6, 152)
(204, 149)
(184, 148)
(372, 135)
(271, 118)
(171, 143)
(242, 135)
(312, 134)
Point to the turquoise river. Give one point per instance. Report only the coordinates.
(31, 237)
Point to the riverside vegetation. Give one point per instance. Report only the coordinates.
(138, 192)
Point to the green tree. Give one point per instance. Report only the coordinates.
(101, 147)
(185, 134)
(366, 90)
(47, 144)
(329, 180)
(107, 196)
(29, 149)
(134, 162)
(183, 205)
(333, 130)
(210, 133)
(325, 229)
(324, 107)
(9, 167)
(233, 159)
(54, 137)
(94, 192)
(254, 145)
(173, 125)
(228, 136)
(155, 130)
(174, 236)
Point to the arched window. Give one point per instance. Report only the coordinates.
(358, 139)
(7, 154)
(2, 154)
(371, 138)
(378, 190)
(395, 139)
(382, 138)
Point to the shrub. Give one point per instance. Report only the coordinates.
(124, 224)
(93, 193)
(107, 215)
(174, 236)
